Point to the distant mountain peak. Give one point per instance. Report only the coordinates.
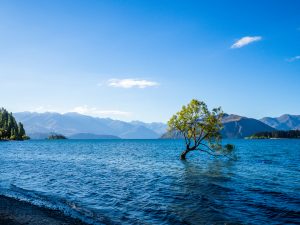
(231, 117)
(283, 122)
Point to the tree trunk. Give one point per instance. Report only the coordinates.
(183, 154)
(188, 149)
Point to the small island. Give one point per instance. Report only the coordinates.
(9, 128)
(56, 137)
(291, 134)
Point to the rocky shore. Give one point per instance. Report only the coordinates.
(15, 212)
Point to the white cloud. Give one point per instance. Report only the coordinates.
(245, 41)
(294, 58)
(93, 111)
(131, 83)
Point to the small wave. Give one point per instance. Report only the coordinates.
(68, 208)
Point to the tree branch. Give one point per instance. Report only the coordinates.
(207, 146)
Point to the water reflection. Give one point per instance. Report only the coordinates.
(201, 192)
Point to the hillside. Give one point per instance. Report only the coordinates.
(239, 127)
(39, 124)
(284, 122)
(159, 128)
(9, 128)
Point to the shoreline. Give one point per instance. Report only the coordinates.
(17, 212)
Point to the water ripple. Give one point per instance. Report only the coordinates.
(143, 182)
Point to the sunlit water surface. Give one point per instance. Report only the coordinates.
(144, 182)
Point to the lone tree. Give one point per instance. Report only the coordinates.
(200, 129)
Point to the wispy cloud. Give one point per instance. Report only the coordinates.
(93, 111)
(293, 58)
(131, 83)
(245, 41)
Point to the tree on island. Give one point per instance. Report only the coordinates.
(9, 128)
(56, 137)
(200, 129)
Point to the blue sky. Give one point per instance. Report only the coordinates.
(142, 60)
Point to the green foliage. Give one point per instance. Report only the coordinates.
(200, 128)
(9, 128)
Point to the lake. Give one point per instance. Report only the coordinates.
(144, 182)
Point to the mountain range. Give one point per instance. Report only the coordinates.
(78, 126)
(74, 125)
(284, 122)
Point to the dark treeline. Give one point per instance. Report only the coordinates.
(9, 128)
(278, 134)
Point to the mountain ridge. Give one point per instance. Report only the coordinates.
(240, 127)
(284, 122)
(235, 126)
(74, 123)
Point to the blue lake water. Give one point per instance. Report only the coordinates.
(144, 182)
